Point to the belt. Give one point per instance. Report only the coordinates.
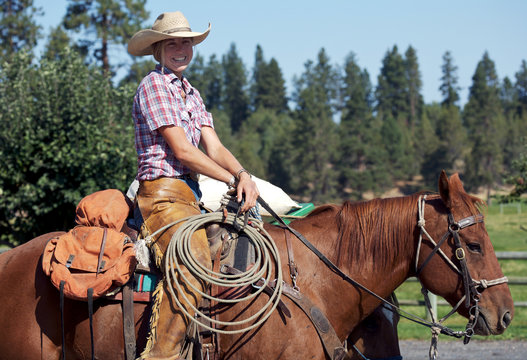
(190, 176)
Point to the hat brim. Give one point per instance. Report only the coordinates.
(141, 43)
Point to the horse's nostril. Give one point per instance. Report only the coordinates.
(506, 319)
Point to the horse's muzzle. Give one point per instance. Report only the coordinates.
(484, 325)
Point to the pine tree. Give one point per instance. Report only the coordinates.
(449, 81)
(514, 127)
(360, 153)
(257, 139)
(415, 111)
(314, 134)
(391, 94)
(451, 133)
(258, 73)
(414, 85)
(443, 142)
(268, 86)
(58, 40)
(484, 120)
(112, 21)
(236, 99)
(393, 110)
(18, 29)
(195, 73)
(138, 70)
(213, 93)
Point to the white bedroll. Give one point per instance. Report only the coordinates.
(213, 191)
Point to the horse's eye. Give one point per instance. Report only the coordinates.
(474, 247)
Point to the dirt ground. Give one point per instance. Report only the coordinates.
(475, 350)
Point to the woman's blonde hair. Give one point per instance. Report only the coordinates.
(158, 51)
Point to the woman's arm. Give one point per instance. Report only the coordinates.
(220, 164)
(190, 156)
(222, 156)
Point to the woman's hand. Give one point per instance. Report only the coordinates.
(247, 186)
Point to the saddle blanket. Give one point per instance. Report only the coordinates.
(144, 286)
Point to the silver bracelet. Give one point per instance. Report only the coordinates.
(242, 170)
(231, 182)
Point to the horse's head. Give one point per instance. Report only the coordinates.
(457, 260)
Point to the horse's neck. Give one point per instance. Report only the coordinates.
(374, 244)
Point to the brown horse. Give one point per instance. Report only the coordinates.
(374, 242)
(30, 325)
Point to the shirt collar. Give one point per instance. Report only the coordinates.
(173, 78)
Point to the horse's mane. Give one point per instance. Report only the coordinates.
(370, 231)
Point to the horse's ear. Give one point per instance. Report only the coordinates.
(444, 189)
(455, 183)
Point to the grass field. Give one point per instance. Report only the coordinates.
(503, 225)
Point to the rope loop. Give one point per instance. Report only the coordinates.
(484, 283)
(179, 256)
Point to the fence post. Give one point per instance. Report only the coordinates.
(433, 306)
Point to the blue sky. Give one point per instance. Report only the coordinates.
(293, 31)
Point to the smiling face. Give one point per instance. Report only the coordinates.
(177, 54)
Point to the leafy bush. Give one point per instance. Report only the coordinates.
(65, 133)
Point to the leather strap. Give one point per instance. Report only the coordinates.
(128, 320)
(328, 336)
(61, 289)
(225, 269)
(100, 262)
(215, 337)
(90, 315)
(293, 270)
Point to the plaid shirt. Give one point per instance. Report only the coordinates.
(158, 102)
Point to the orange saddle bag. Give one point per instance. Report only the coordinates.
(94, 256)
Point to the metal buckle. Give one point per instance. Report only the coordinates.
(257, 287)
(460, 253)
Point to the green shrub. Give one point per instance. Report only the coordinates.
(65, 132)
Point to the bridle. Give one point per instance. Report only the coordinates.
(472, 294)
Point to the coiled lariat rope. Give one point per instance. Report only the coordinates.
(179, 254)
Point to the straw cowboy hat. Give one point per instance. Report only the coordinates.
(167, 25)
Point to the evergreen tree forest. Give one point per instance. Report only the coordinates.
(66, 127)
